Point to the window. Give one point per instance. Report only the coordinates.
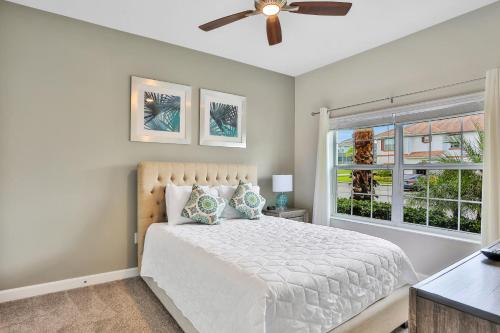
(388, 144)
(424, 174)
(364, 180)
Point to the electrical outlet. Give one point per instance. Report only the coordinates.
(135, 237)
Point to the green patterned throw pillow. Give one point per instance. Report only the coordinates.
(203, 207)
(247, 202)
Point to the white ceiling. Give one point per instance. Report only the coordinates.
(309, 41)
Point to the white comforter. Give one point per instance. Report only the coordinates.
(271, 275)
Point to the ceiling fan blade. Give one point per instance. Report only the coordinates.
(329, 8)
(226, 20)
(273, 27)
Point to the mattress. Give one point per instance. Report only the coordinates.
(271, 275)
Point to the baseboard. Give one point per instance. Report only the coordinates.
(78, 282)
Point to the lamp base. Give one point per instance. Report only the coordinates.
(281, 201)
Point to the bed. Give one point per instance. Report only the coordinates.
(271, 275)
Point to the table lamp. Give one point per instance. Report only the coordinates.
(281, 185)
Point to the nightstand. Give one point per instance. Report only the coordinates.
(294, 214)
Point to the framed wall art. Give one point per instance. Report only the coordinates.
(160, 112)
(222, 119)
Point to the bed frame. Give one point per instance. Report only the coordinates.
(152, 178)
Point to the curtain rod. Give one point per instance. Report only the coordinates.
(391, 99)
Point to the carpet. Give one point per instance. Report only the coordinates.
(120, 306)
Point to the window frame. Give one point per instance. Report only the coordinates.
(398, 168)
(426, 139)
(384, 145)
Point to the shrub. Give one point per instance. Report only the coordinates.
(470, 225)
(381, 210)
(414, 215)
(361, 208)
(344, 206)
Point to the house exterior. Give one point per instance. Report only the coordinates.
(423, 142)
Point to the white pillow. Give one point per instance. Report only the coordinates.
(176, 198)
(227, 193)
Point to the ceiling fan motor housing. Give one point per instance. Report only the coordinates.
(260, 4)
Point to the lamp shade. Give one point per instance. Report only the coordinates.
(282, 183)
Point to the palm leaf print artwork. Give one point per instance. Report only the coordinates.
(223, 120)
(162, 112)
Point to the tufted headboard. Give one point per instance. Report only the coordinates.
(152, 178)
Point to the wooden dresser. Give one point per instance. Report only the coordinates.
(463, 298)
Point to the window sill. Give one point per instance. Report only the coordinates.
(422, 230)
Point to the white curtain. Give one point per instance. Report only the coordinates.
(321, 208)
(490, 227)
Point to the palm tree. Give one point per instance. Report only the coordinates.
(362, 180)
(474, 149)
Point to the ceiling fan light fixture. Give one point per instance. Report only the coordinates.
(270, 10)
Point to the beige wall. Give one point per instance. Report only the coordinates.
(67, 180)
(456, 50)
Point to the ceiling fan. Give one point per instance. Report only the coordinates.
(271, 9)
